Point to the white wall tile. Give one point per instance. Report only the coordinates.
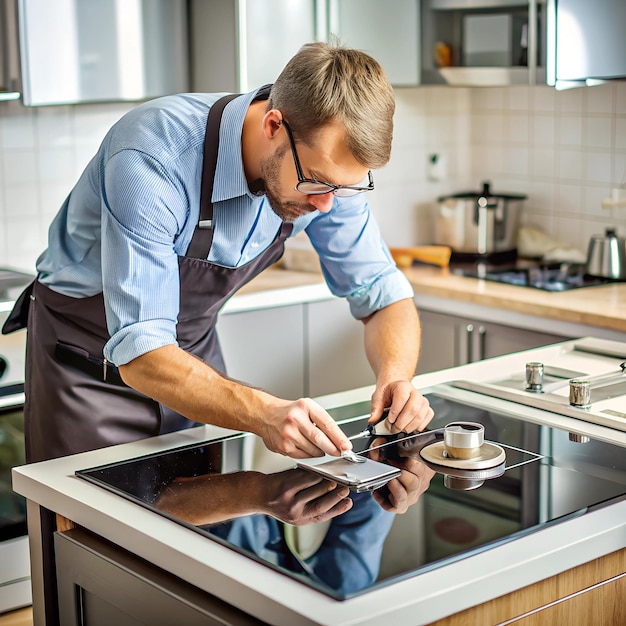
(543, 129)
(21, 166)
(542, 162)
(518, 98)
(598, 167)
(570, 130)
(599, 99)
(17, 128)
(620, 133)
(22, 199)
(571, 101)
(517, 127)
(598, 132)
(544, 99)
(570, 165)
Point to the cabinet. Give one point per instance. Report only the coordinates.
(266, 348)
(74, 52)
(308, 349)
(9, 55)
(484, 42)
(238, 45)
(588, 594)
(389, 31)
(449, 340)
(336, 352)
(100, 584)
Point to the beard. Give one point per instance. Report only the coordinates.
(288, 210)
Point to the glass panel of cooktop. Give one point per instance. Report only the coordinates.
(237, 493)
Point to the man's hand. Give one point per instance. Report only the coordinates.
(303, 429)
(409, 410)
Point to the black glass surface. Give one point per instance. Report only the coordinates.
(544, 276)
(224, 491)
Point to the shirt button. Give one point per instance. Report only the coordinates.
(255, 244)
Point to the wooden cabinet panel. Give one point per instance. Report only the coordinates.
(592, 593)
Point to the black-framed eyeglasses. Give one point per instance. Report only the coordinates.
(313, 187)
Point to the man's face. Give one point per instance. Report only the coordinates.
(330, 162)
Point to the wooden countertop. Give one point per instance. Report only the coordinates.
(602, 306)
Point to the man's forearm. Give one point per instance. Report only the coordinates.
(189, 386)
(392, 341)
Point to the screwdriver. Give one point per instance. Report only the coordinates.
(381, 427)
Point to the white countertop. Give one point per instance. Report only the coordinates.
(277, 599)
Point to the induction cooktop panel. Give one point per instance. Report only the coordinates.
(235, 492)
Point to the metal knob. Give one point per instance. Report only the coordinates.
(462, 440)
(534, 376)
(580, 393)
(578, 438)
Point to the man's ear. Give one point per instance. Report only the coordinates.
(272, 122)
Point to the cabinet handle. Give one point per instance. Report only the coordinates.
(469, 336)
(482, 336)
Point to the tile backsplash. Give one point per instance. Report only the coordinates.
(565, 150)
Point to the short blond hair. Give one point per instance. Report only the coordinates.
(326, 82)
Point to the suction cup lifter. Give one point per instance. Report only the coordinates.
(464, 458)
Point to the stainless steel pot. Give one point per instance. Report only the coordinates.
(606, 255)
(479, 223)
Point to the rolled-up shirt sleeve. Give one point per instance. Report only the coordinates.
(142, 215)
(355, 259)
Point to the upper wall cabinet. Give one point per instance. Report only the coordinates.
(586, 42)
(483, 42)
(389, 31)
(79, 51)
(563, 43)
(238, 45)
(10, 84)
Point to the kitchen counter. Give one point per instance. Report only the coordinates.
(600, 307)
(277, 599)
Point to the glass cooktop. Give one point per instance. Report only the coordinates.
(233, 491)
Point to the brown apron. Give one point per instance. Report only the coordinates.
(74, 402)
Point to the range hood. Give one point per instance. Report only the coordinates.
(80, 51)
(586, 43)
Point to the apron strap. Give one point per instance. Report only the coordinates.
(203, 234)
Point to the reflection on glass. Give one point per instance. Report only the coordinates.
(345, 543)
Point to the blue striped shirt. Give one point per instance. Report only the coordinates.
(134, 209)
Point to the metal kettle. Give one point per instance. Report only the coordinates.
(606, 256)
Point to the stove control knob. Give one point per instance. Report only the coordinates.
(580, 393)
(534, 376)
(578, 438)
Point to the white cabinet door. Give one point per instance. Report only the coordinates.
(389, 31)
(238, 45)
(336, 354)
(265, 348)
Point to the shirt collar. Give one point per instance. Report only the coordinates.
(230, 180)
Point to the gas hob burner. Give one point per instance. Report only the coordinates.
(547, 277)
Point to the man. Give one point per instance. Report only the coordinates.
(170, 218)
